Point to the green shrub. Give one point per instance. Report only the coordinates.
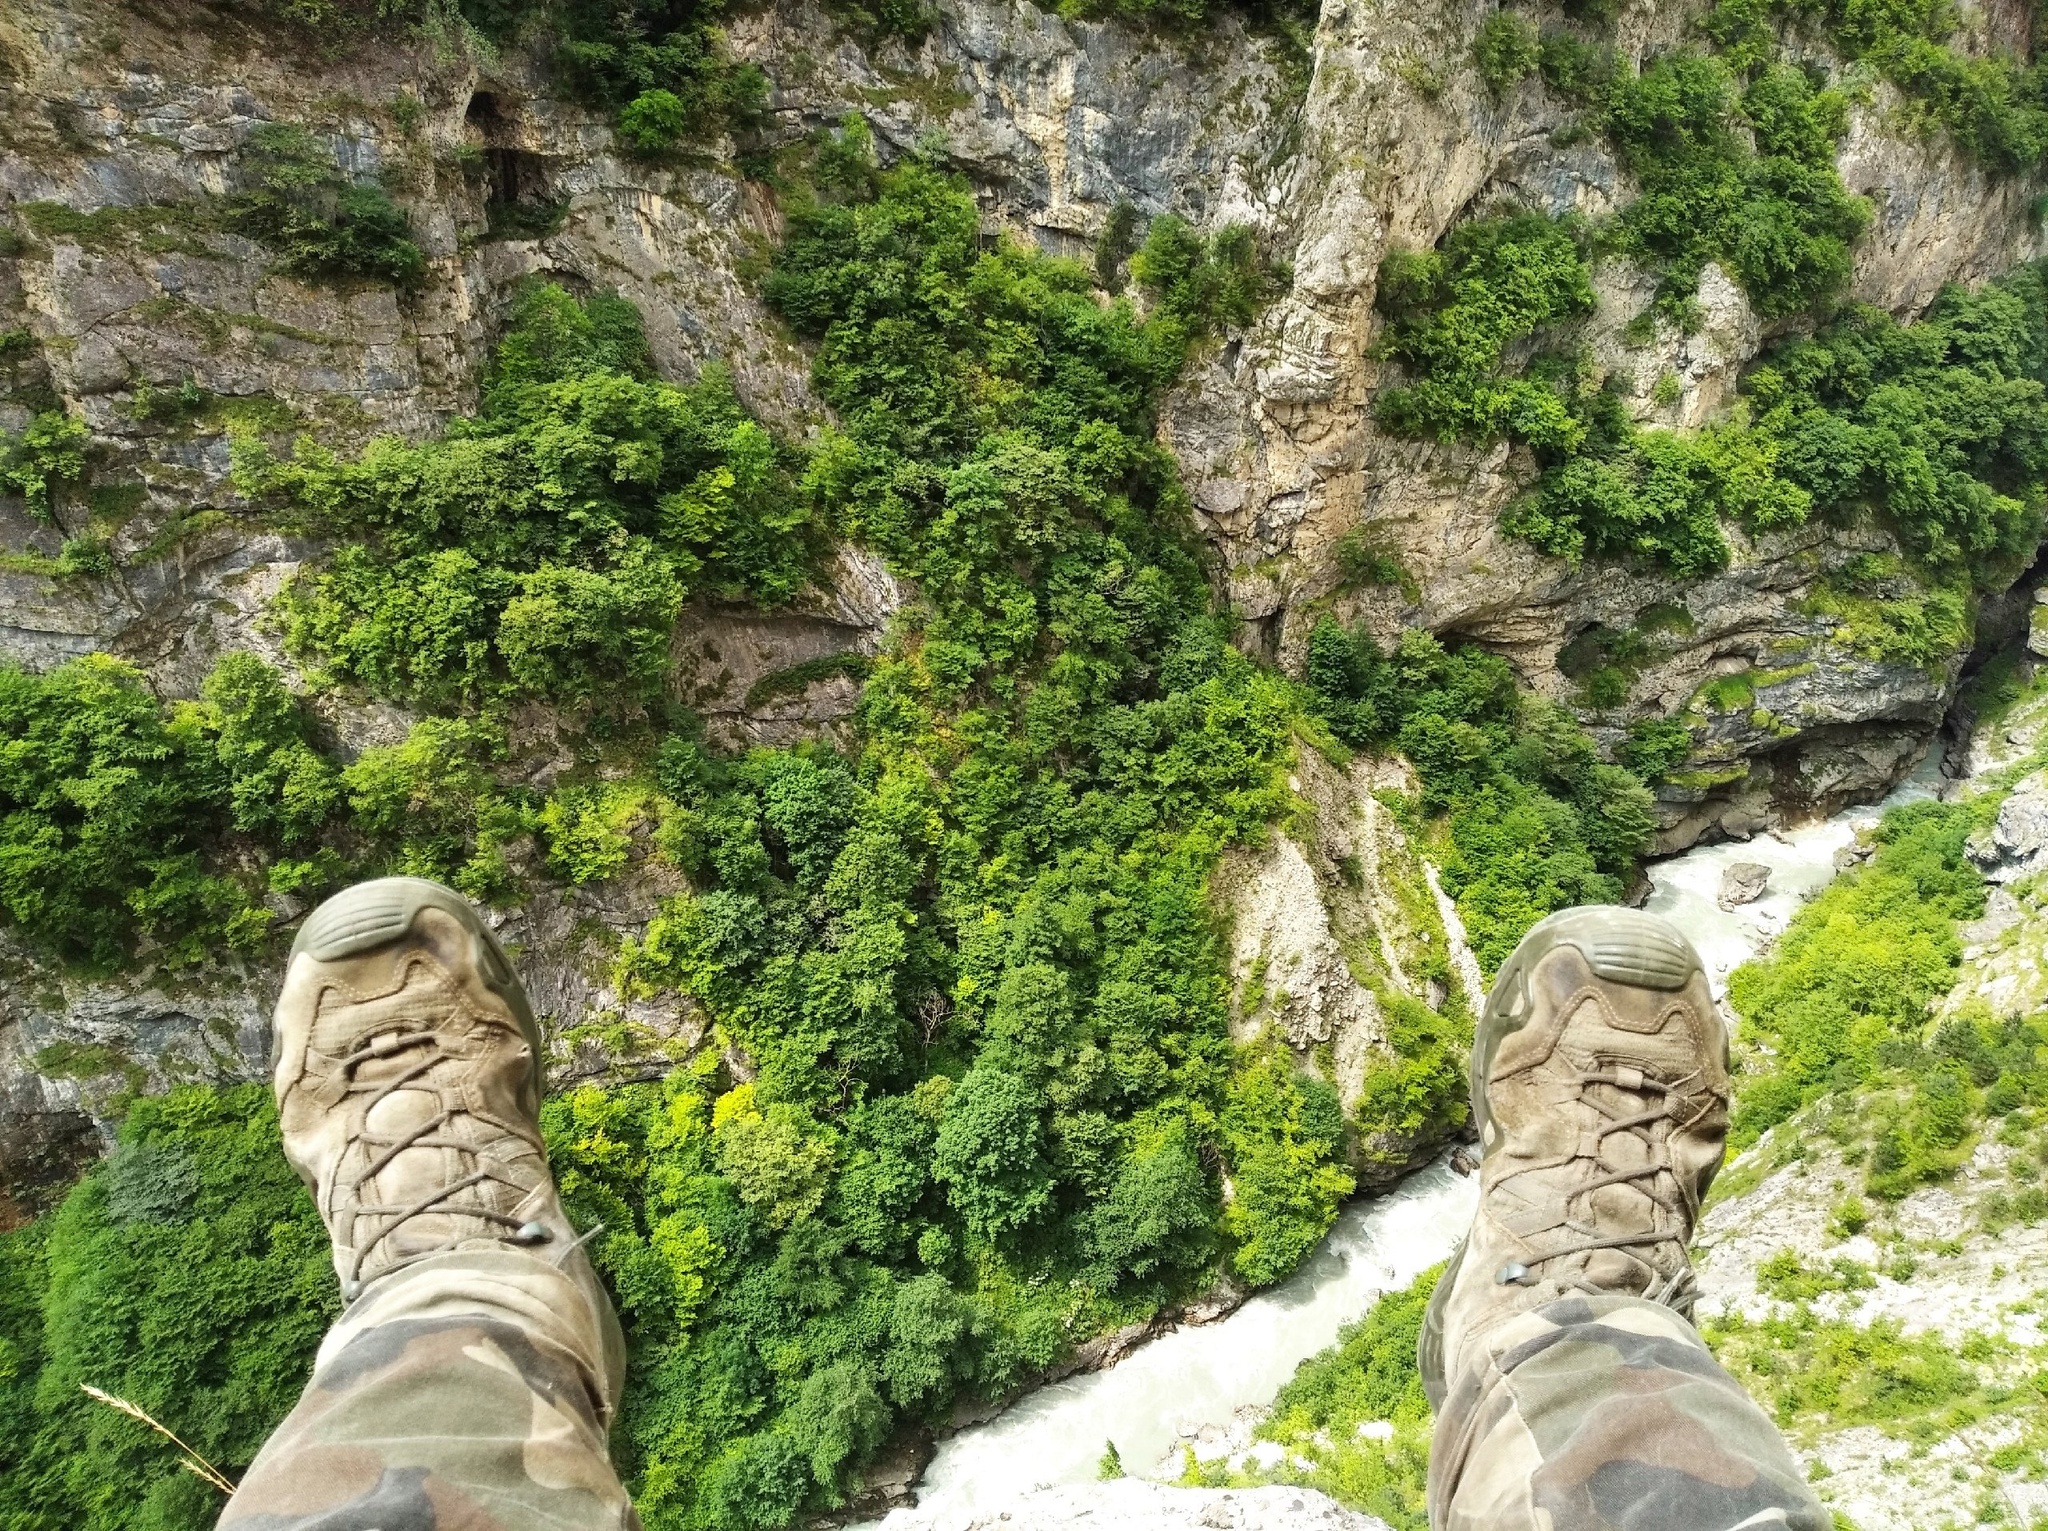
(1452, 314)
(1423, 1086)
(1776, 216)
(433, 796)
(128, 825)
(1935, 428)
(546, 548)
(84, 557)
(1855, 972)
(1506, 50)
(189, 1274)
(1992, 108)
(329, 20)
(318, 221)
(106, 805)
(1369, 1376)
(1199, 286)
(1579, 71)
(1654, 747)
(1887, 614)
(280, 788)
(38, 463)
(653, 121)
(1285, 1131)
(1789, 1278)
(1935, 425)
(1834, 1373)
(664, 67)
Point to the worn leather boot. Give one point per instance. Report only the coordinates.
(407, 1071)
(1600, 1093)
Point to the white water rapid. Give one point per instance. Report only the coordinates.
(1167, 1390)
(1197, 1376)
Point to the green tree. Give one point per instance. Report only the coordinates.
(320, 222)
(990, 1153)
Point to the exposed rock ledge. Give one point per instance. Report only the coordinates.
(1132, 1504)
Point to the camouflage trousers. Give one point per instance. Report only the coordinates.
(1608, 1414)
(465, 1393)
(468, 1393)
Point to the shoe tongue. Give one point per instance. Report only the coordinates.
(401, 1114)
(415, 1174)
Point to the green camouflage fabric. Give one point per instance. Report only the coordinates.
(1608, 1414)
(466, 1393)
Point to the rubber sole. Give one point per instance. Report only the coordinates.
(1625, 946)
(377, 913)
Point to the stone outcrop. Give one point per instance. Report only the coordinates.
(1332, 921)
(2015, 844)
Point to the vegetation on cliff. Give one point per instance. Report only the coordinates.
(188, 1274)
(1993, 107)
(994, 1105)
(994, 1098)
(1533, 819)
(1355, 1420)
(546, 548)
(1935, 427)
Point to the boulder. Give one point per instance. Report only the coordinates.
(1743, 882)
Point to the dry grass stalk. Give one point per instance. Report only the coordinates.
(191, 1461)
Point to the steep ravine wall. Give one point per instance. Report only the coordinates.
(1381, 139)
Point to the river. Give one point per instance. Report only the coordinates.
(1166, 1391)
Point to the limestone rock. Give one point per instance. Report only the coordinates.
(1332, 924)
(2016, 843)
(1133, 1504)
(1742, 882)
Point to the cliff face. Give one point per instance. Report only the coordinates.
(1380, 138)
(1399, 140)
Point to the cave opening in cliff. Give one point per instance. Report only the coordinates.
(519, 199)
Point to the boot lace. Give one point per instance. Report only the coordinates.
(1670, 1224)
(426, 1134)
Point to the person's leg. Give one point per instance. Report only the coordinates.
(1572, 1392)
(471, 1379)
(1608, 1412)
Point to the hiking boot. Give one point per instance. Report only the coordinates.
(407, 1071)
(1600, 1094)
